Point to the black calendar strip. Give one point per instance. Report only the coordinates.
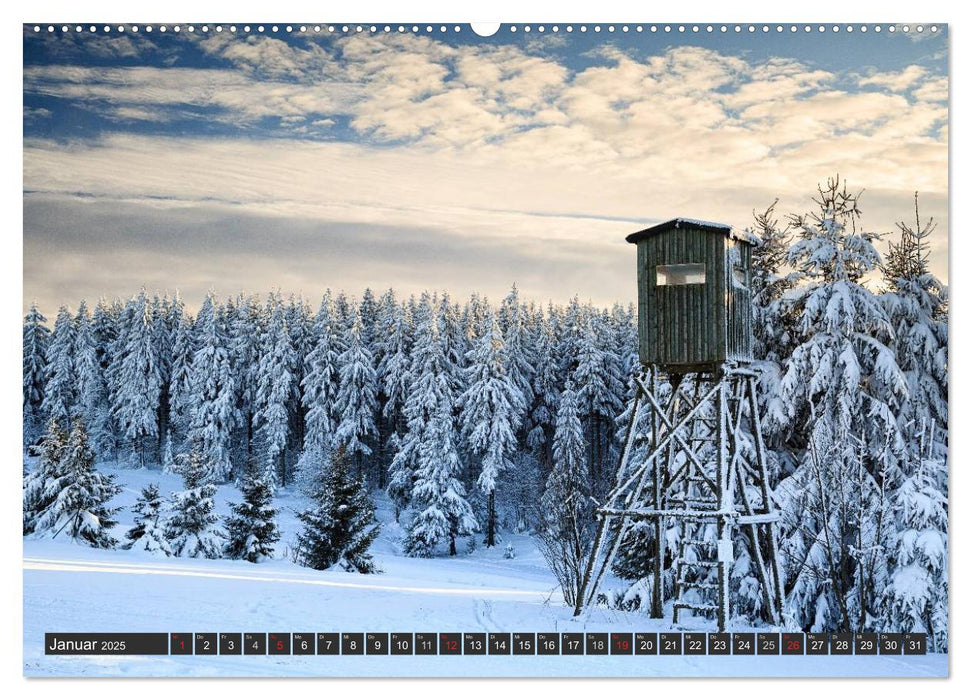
(486, 644)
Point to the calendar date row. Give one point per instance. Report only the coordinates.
(486, 643)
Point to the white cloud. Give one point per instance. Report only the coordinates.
(933, 90)
(897, 81)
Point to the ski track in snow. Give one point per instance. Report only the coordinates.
(132, 569)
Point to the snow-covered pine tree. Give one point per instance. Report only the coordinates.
(917, 305)
(300, 327)
(623, 335)
(571, 324)
(566, 520)
(319, 386)
(105, 327)
(192, 526)
(455, 343)
(212, 404)
(104, 324)
(246, 328)
(180, 379)
(148, 533)
(168, 455)
(78, 496)
(90, 388)
(770, 282)
(368, 318)
(491, 407)
(842, 387)
(38, 497)
(340, 526)
(273, 395)
(545, 394)
(916, 598)
(166, 314)
(251, 531)
(342, 321)
(392, 354)
(429, 385)
(36, 338)
(138, 381)
(474, 316)
(59, 384)
(438, 497)
(598, 382)
(356, 400)
(519, 354)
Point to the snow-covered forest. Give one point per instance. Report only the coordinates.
(483, 417)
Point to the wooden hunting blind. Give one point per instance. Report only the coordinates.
(692, 470)
(694, 294)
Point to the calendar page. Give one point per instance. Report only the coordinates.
(436, 349)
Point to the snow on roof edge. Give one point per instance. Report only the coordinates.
(730, 231)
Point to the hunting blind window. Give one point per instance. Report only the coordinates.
(670, 275)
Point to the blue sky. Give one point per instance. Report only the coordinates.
(260, 161)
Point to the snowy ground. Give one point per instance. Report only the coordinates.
(72, 588)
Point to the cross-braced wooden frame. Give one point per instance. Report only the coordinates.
(700, 466)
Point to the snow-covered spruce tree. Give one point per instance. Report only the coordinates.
(393, 347)
(916, 302)
(455, 343)
(251, 531)
(339, 528)
(244, 330)
(770, 281)
(599, 384)
(917, 305)
(491, 407)
(566, 520)
(105, 322)
(519, 353)
(571, 324)
(149, 531)
(166, 314)
(438, 497)
(59, 383)
(916, 598)
(474, 316)
(138, 381)
(90, 388)
(842, 388)
(212, 403)
(192, 526)
(342, 321)
(114, 328)
(542, 414)
(180, 379)
(368, 317)
(623, 336)
(428, 387)
(168, 455)
(356, 400)
(38, 497)
(320, 383)
(273, 394)
(36, 338)
(300, 327)
(78, 496)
